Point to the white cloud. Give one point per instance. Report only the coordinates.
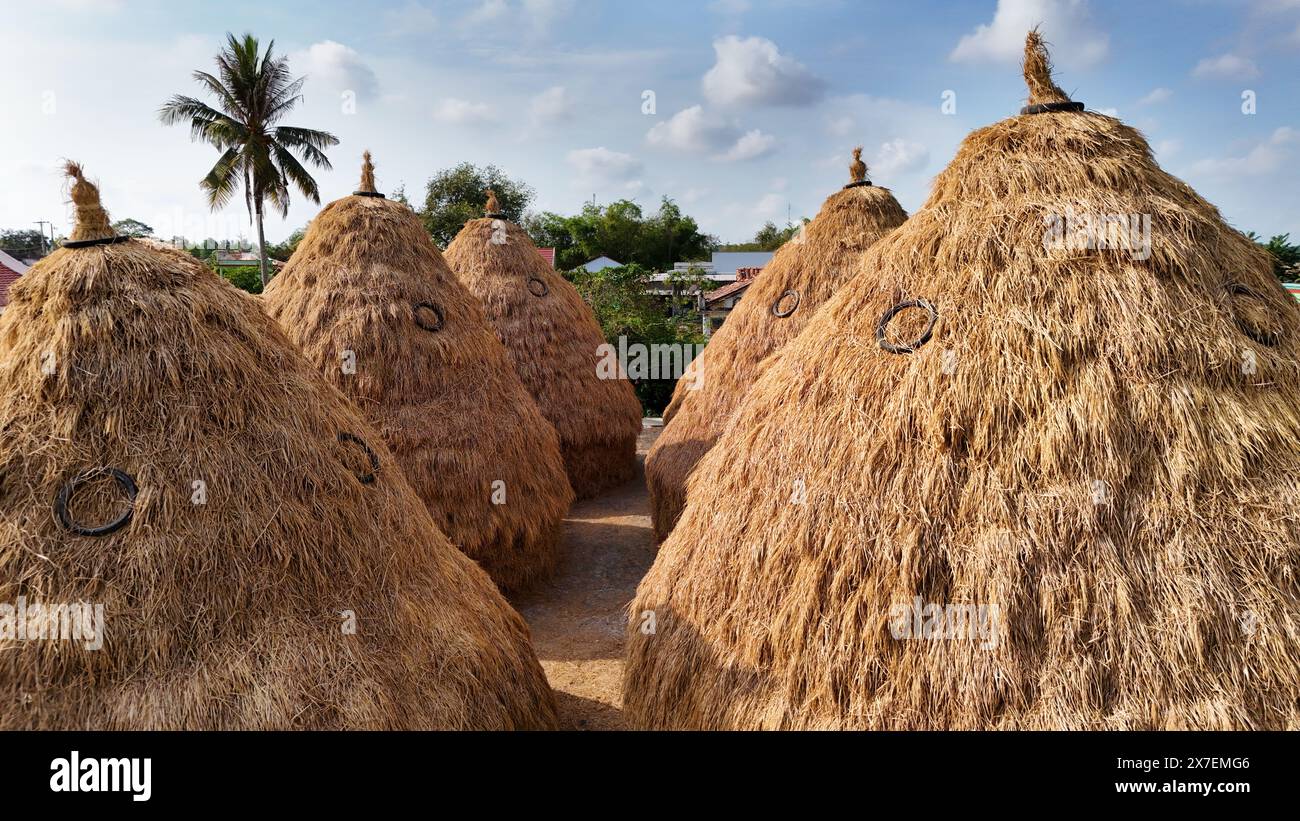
(1267, 157)
(692, 130)
(1075, 41)
(1156, 95)
(338, 67)
(455, 111)
(602, 166)
(696, 131)
(1109, 112)
(553, 105)
(751, 146)
(410, 19)
(1226, 67)
(898, 157)
(693, 195)
(770, 206)
(753, 71)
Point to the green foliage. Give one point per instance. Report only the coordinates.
(1286, 255)
(768, 238)
(621, 232)
(247, 278)
(283, 250)
(253, 91)
(457, 195)
(26, 243)
(620, 300)
(132, 228)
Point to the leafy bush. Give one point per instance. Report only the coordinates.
(247, 278)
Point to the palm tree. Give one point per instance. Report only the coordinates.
(253, 91)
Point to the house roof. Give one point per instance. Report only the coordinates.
(548, 254)
(727, 291)
(10, 270)
(726, 262)
(601, 263)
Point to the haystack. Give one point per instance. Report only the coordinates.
(1005, 482)
(555, 344)
(370, 301)
(260, 560)
(775, 308)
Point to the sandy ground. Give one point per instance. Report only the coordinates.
(578, 617)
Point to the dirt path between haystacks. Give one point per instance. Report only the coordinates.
(578, 617)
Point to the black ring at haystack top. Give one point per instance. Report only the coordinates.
(1269, 341)
(858, 184)
(894, 311)
(64, 497)
(1044, 108)
(437, 312)
(777, 312)
(368, 194)
(546, 289)
(86, 243)
(363, 478)
(495, 216)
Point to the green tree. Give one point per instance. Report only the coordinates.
(621, 300)
(253, 90)
(1286, 255)
(551, 230)
(622, 232)
(132, 228)
(283, 250)
(457, 195)
(246, 277)
(28, 243)
(769, 237)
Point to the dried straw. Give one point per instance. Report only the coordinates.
(554, 342)
(232, 609)
(447, 401)
(91, 220)
(813, 265)
(1098, 445)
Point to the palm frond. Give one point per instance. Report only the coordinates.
(309, 142)
(221, 182)
(293, 171)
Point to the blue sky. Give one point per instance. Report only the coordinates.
(757, 103)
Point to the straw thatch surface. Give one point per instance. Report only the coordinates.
(813, 264)
(554, 342)
(448, 401)
(1096, 444)
(227, 614)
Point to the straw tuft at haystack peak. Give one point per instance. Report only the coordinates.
(1038, 72)
(91, 220)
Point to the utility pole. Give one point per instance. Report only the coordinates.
(44, 223)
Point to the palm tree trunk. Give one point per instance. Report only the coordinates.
(261, 245)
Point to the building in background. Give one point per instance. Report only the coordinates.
(548, 254)
(600, 264)
(10, 270)
(716, 304)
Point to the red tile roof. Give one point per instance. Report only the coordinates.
(548, 254)
(729, 290)
(7, 277)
